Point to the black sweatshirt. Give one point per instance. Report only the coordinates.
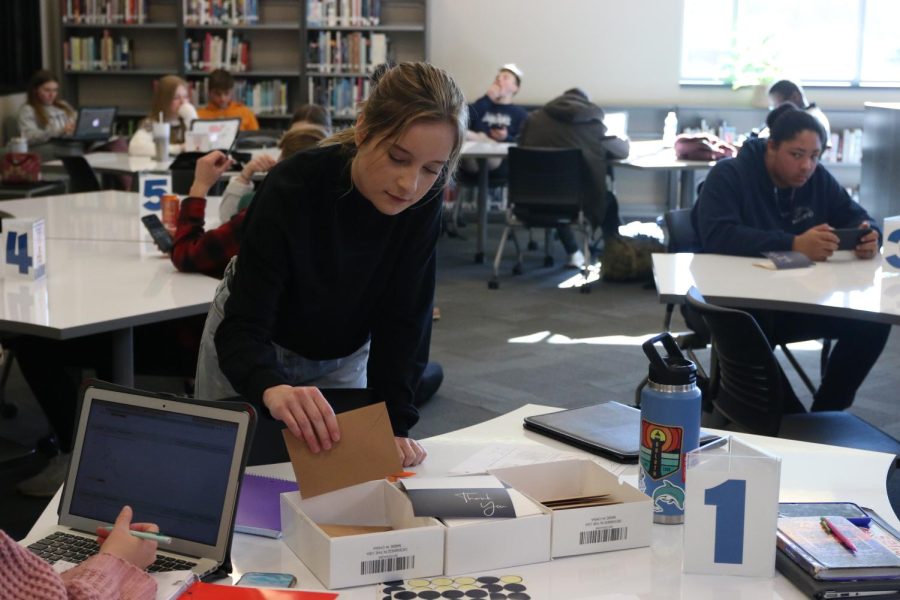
(320, 271)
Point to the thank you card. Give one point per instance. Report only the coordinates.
(731, 510)
(25, 248)
(473, 497)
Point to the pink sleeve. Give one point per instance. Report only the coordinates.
(24, 575)
(107, 577)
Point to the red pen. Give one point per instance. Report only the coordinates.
(830, 528)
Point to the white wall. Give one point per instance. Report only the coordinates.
(621, 52)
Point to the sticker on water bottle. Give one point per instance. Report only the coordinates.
(661, 457)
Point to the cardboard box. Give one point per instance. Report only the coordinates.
(625, 524)
(413, 548)
(487, 544)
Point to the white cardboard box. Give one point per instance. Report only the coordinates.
(590, 529)
(487, 544)
(414, 548)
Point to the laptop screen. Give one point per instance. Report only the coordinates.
(95, 123)
(222, 132)
(170, 467)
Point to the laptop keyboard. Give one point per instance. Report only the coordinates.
(75, 549)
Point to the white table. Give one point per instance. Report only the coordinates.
(652, 155)
(809, 472)
(481, 151)
(109, 215)
(103, 286)
(122, 163)
(843, 286)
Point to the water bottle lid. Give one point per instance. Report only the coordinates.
(673, 369)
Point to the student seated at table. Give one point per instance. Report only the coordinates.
(171, 104)
(117, 571)
(312, 114)
(208, 252)
(494, 117)
(45, 115)
(776, 196)
(334, 282)
(573, 121)
(221, 103)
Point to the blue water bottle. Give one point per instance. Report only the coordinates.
(670, 427)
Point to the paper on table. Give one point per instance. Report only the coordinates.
(366, 452)
(495, 457)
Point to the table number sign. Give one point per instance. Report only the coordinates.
(152, 186)
(891, 247)
(25, 248)
(731, 510)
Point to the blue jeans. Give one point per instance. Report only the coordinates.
(211, 383)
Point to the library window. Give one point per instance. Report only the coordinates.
(821, 42)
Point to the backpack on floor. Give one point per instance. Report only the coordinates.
(628, 258)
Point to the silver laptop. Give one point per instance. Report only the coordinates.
(175, 463)
(222, 133)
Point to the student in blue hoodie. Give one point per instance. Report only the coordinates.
(776, 196)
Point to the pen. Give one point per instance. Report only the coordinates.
(830, 528)
(145, 535)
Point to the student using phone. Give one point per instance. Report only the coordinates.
(335, 278)
(776, 196)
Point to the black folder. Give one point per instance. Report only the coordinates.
(609, 429)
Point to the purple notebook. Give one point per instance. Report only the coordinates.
(259, 505)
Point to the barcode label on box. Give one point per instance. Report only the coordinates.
(599, 536)
(383, 565)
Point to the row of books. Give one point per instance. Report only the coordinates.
(97, 53)
(221, 12)
(340, 96)
(103, 12)
(342, 52)
(845, 146)
(215, 52)
(269, 96)
(333, 13)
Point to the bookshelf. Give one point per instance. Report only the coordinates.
(280, 54)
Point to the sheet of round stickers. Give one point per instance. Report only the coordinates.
(505, 587)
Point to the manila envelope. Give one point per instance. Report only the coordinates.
(366, 452)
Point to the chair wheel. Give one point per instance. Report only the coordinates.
(532, 245)
(517, 270)
(548, 261)
(585, 289)
(493, 284)
(9, 411)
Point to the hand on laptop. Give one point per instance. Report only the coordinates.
(140, 553)
(306, 413)
(411, 452)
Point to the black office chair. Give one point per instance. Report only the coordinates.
(750, 392)
(81, 175)
(680, 237)
(546, 189)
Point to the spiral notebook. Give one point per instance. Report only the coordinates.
(259, 505)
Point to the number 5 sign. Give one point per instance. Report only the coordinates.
(731, 510)
(151, 187)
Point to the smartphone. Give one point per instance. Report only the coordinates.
(158, 232)
(259, 579)
(849, 237)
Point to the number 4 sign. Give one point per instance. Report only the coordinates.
(731, 510)
(25, 248)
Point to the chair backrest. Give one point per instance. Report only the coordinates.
(682, 237)
(259, 138)
(546, 183)
(750, 388)
(81, 174)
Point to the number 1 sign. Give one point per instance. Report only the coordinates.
(731, 510)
